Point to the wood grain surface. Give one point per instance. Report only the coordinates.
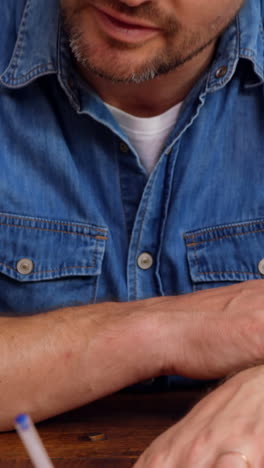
(109, 433)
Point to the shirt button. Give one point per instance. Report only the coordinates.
(124, 148)
(145, 261)
(261, 267)
(25, 266)
(221, 72)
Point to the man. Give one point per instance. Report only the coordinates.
(132, 212)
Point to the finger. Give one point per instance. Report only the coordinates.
(231, 460)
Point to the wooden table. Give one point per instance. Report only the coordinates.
(128, 422)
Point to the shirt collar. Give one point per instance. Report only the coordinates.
(242, 41)
(35, 52)
(33, 58)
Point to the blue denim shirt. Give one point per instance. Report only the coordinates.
(77, 208)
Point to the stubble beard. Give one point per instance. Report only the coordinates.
(107, 65)
(162, 64)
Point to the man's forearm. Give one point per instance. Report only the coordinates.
(56, 361)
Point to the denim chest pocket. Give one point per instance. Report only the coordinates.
(222, 255)
(47, 264)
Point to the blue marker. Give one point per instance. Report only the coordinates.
(32, 442)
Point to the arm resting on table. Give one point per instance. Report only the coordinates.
(54, 362)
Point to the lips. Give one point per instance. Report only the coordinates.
(125, 25)
(124, 22)
(123, 29)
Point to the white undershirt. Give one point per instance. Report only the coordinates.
(147, 135)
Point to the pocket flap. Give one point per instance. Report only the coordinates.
(34, 249)
(230, 252)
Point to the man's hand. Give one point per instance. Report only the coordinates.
(223, 430)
